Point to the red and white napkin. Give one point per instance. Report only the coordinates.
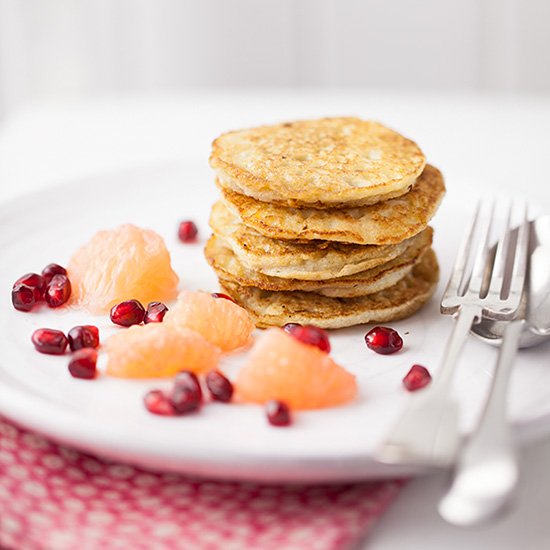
(55, 498)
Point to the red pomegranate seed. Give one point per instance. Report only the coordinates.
(36, 282)
(219, 386)
(186, 395)
(53, 269)
(383, 340)
(157, 402)
(278, 413)
(50, 341)
(83, 336)
(128, 313)
(155, 312)
(222, 295)
(23, 297)
(184, 400)
(58, 291)
(83, 363)
(309, 334)
(417, 378)
(188, 379)
(187, 231)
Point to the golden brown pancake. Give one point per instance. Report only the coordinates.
(269, 308)
(227, 267)
(388, 222)
(317, 163)
(307, 260)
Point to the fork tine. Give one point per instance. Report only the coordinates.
(520, 257)
(507, 289)
(462, 256)
(482, 252)
(501, 256)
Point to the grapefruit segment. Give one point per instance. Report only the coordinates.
(222, 322)
(304, 377)
(156, 350)
(121, 264)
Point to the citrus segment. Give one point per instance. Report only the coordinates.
(122, 264)
(222, 322)
(304, 377)
(156, 350)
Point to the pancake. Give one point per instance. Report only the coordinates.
(227, 267)
(269, 308)
(317, 163)
(388, 222)
(308, 260)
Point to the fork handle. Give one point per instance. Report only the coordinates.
(467, 315)
(486, 473)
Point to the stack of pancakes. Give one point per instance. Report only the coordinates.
(324, 222)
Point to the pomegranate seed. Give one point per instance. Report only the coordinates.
(83, 336)
(219, 386)
(417, 378)
(278, 413)
(36, 282)
(309, 334)
(187, 231)
(186, 395)
(222, 295)
(83, 363)
(50, 341)
(128, 313)
(58, 291)
(23, 297)
(52, 269)
(155, 312)
(184, 400)
(188, 379)
(157, 402)
(383, 340)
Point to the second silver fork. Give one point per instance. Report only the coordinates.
(480, 285)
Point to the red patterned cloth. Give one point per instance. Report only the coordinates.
(54, 498)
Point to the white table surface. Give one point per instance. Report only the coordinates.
(489, 140)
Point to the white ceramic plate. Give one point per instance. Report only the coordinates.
(106, 416)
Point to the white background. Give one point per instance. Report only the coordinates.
(63, 48)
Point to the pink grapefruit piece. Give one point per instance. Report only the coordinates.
(156, 350)
(222, 322)
(121, 264)
(304, 377)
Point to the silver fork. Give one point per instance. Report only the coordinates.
(480, 285)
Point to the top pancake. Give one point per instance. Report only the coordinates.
(317, 163)
(388, 222)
